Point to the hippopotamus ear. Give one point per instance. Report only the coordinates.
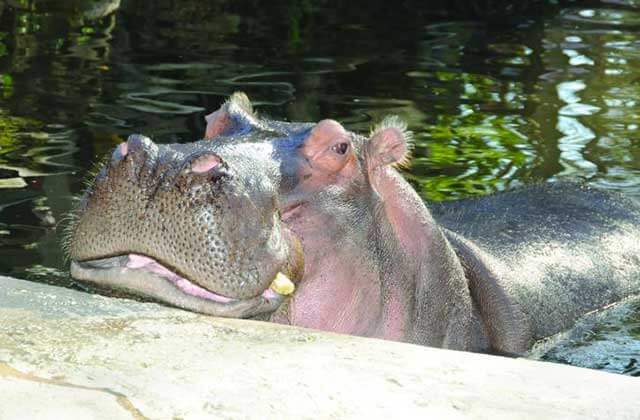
(390, 143)
(235, 116)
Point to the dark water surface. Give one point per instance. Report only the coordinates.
(495, 103)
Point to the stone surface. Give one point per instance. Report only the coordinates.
(30, 397)
(67, 354)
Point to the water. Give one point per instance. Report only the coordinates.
(606, 340)
(494, 102)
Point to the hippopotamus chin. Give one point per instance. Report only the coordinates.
(208, 225)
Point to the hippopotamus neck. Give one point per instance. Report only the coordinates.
(442, 308)
(341, 276)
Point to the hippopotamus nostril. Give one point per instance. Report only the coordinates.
(141, 145)
(123, 148)
(119, 153)
(141, 155)
(205, 163)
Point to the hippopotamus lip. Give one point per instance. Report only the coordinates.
(142, 275)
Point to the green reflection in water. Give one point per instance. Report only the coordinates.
(3, 47)
(471, 155)
(607, 340)
(10, 142)
(6, 81)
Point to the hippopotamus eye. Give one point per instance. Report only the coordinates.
(340, 148)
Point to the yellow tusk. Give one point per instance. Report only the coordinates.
(282, 284)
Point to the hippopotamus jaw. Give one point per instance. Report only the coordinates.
(146, 277)
(149, 278)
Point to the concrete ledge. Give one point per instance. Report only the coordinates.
(66, 354)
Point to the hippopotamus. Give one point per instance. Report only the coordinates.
(207, 226)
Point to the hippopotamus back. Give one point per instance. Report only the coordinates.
(563, 249)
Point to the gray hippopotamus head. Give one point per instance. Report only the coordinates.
(209, 225)
(195, 225)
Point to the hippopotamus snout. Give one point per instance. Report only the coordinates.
(154, 167)
(200, 217)
(140, 151)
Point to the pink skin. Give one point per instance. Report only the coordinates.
(217, 123)
(205, 163)
(339, 292)
(326, 166)
(406, 216)
(334, 285)
(148, 264)
(324, 281)
(123, 149)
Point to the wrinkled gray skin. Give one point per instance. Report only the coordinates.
(219, 226)
(491, 274)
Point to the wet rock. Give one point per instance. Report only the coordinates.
(67, 354)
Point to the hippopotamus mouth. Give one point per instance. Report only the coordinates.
(147, 277)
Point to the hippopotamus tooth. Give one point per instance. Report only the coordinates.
(282, 284)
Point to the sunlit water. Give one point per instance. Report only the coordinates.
(537, 98)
